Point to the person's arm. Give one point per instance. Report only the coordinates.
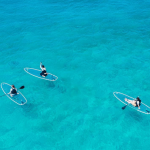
(16, 91)
(10, 91)
(41, 65)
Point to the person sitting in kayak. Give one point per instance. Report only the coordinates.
(13, 91)
(43, 73)
(135, 103)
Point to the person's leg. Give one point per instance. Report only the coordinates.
(130, 102)
(133, 103)
(127, 100)
(42, 73)
(45, 74)
(12, 95)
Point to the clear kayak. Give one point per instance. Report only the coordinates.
(36, 73)
(18, 99)
(121, 97)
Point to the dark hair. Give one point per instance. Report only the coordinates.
(13, 86)
(42, 66)
(138, 99)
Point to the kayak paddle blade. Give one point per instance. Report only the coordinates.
(124, 107)
(22, 87)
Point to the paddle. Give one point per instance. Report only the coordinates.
(124, 106)
(22, 87)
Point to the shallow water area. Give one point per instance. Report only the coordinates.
(95, 48)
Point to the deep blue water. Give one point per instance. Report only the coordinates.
(95, 48)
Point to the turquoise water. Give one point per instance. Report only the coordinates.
(95, 48)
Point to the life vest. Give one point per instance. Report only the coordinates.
(138, 102)
(13, 91)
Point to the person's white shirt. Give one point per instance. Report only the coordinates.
(42, 67)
